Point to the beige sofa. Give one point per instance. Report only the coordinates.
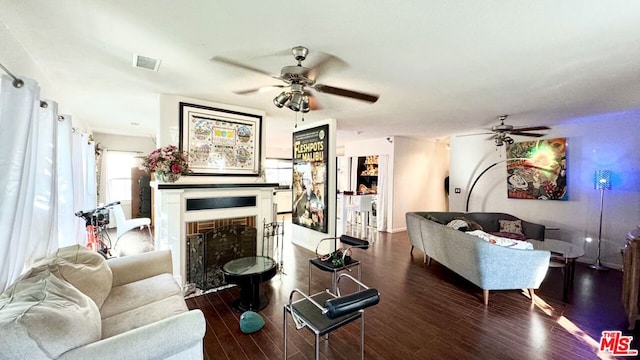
(76, 305)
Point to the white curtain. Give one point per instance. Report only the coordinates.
(27, 187)
(66, 221)
(84, 180)
(383, 190)
(105, 186)
(47, 176)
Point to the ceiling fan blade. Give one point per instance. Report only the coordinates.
(326, 63)
(474, 134)
(226, 61)
(258, 89)
(346, 93)
(532, 128)
(520, 133)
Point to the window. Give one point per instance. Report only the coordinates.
(118, 174)
(279, 171)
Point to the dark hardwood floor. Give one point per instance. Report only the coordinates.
(426, 313)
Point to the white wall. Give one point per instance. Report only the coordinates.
(168, 134)
(418, 178)
(608, 142)
(143, 145)
(415, 176)
(20, 63)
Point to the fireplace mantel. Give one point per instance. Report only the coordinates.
(164, 186)
(176, 204)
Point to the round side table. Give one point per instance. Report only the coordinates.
(248, 273)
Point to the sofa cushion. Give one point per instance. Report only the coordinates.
(139, 293)
(510, 226)
(83, 268)
(42, 316)
(143, 315)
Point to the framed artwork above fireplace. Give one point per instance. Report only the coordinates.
(220, 141)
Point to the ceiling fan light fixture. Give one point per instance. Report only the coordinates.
(281, 99)
(295, 101)
(305, 104)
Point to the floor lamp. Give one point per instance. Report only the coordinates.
(602, 182)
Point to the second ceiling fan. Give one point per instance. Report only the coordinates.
(501, 133)
(298, 80)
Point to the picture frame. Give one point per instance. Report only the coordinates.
(310, 183)
(220, 141)
(537, 170)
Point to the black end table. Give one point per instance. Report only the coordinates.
(248, 272)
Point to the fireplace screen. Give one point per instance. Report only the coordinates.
(209, 251)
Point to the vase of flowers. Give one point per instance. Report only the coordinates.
(168, 163)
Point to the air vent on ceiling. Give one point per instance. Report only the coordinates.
(144, 62)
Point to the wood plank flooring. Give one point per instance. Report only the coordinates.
(426, 313)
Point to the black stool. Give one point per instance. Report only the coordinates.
(345, 263)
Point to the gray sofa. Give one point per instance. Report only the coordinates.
(76, 305)
(489, 266)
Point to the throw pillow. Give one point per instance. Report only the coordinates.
(45, 316)
(81, 267)
(458, 224)
(510, 226)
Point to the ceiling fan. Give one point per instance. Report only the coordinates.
(298, 80)
(500, 134)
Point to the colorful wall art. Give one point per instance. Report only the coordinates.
(537, 169)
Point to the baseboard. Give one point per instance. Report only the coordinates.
(610, 265)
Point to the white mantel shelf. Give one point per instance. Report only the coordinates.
(165, 186)
(171, 212)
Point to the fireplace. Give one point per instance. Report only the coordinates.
(211, 244)
(179, 207)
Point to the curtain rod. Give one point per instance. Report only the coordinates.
(16, 82)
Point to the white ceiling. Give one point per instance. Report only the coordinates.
(440, 67)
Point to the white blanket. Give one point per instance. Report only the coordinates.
(502, 241)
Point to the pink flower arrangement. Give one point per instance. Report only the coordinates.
(167, 160)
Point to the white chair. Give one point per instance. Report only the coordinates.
(123, 225)
(361, 206)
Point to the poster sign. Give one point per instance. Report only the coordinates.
(310, 183)
(220, 141)
(538, 170)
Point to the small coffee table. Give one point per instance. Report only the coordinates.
(563, 255)
(248, 272)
